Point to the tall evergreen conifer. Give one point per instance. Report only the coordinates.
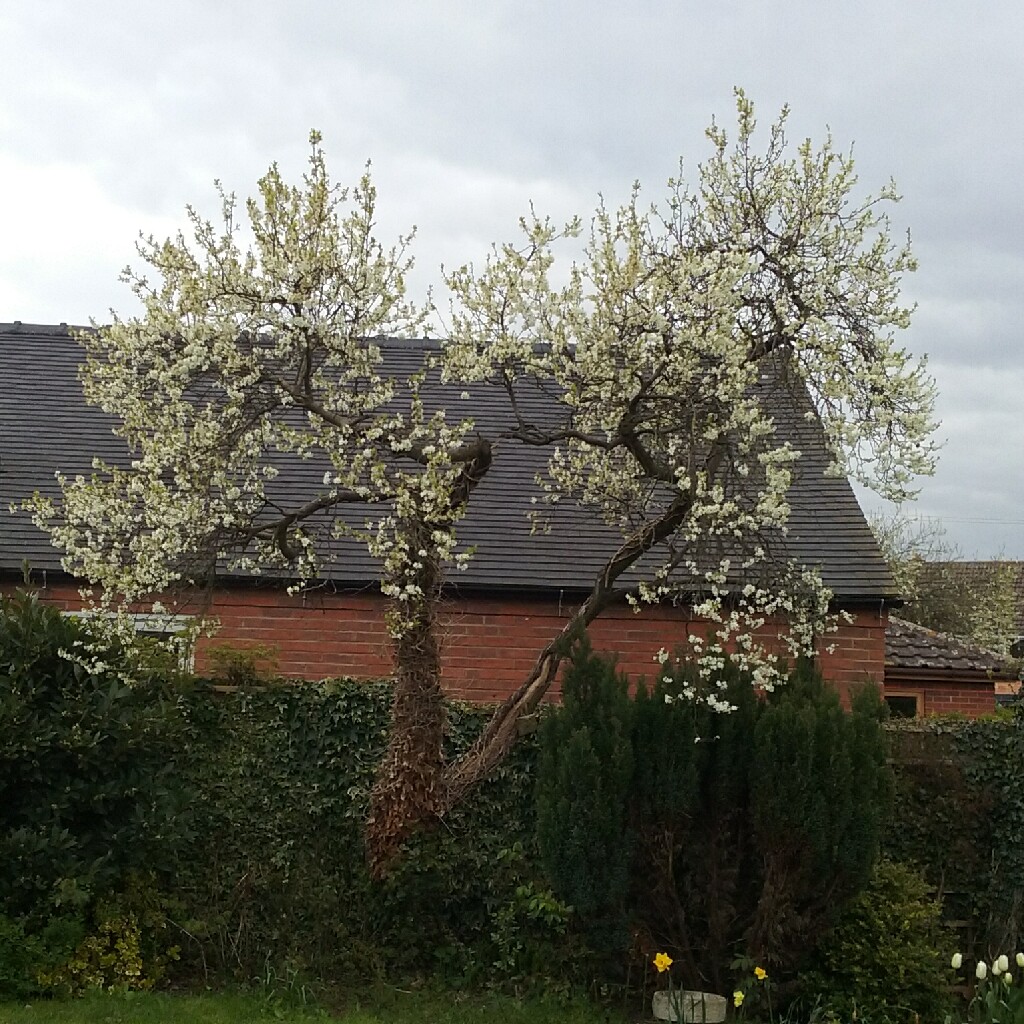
(584, 778)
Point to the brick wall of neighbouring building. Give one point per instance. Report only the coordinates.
(489, 643)
(943, 694)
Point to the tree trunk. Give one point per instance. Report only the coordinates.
(413, 785)
(499, 736)
(501, 731)
(406, 792)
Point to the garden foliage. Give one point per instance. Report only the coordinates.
(959, 815)
(885, 959)
(750, 828)
(90, 794)
(135, 819)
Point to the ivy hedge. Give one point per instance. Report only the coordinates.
(959, 816)
(171, 826)
(281, 778)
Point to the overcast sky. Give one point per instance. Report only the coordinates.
(115, 115)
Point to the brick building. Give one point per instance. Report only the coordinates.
(517, 591)
(930, 673)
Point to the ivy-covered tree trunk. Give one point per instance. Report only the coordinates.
(407, 791)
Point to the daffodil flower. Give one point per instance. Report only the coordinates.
(663, 962)
(760, 973)
(737, 998)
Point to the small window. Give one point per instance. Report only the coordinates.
(904, 705)
(160, 627)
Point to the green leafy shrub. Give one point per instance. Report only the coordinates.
(88, 764)
(20, 960)
(109, 958)
(584, 774)
(121, 943)
(883, 959)
(529, 935)
(90, 804)
(252, 665)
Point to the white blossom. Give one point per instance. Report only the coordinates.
(670, 353)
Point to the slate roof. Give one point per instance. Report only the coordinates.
(909, 646)
(45, 425)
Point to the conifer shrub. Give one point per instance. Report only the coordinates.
(820, 797)
(691, 816)
(744, 831)
(584, 775)
(753, 825)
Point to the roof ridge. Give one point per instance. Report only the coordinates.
(968, 646)
(20, 327)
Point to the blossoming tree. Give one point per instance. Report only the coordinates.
(667, 344)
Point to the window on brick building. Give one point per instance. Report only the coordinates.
(170, 631)
(905, 703)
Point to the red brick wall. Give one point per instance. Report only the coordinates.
(489, 643)
(941, 694)
(959, 698)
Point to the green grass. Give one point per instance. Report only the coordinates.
(384, 1006)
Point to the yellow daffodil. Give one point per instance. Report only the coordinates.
(663, 962)
(737, 998)
(760, 973)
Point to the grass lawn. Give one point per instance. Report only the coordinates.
(378, 1007)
